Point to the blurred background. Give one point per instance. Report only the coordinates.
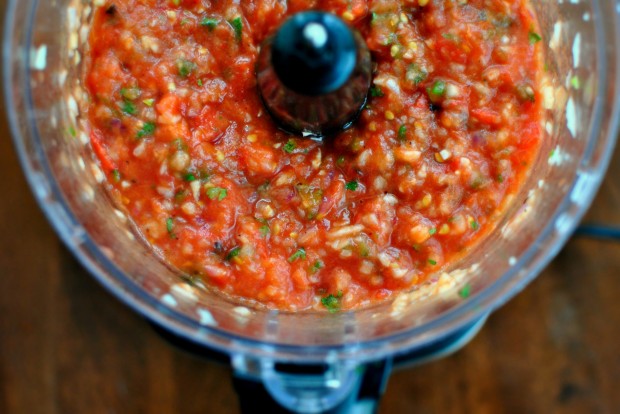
(67, 346)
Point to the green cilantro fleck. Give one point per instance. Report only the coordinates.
(438, 88)
(204, 176)
(363, 249)
(264, 230)
(233, 253)
(432, 262)
(170, 227)
(130, 93)
(340, 161)
(199, 82)
(332, 302)
(129, 108)
(148, 102)
(237, 25)
(176, 2)
(217, 193)
(376, 92)
(432, 231)
(72, 132)
(147, 130)
(209, 22)
(290, 146)
(189, 177)
(416, 74)
(299, 254)
(185, 67)
(465, 292)
(402, 132)
(116, 175)
(474, 225)
(500, 178)
(575, 82)
(534, 37)
(316, 266)
(180, 195)
(263, 187)
(352, 185)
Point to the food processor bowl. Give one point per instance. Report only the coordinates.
(44, 46)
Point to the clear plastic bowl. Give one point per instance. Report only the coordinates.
(43, 47)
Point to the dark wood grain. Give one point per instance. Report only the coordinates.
(67, 346)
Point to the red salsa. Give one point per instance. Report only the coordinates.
(452, 124)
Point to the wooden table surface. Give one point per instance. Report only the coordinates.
(67, 346)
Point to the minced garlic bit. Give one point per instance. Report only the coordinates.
(443, 155)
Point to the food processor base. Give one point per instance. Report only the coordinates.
(284, 392)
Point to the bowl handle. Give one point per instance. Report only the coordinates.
(333, 388)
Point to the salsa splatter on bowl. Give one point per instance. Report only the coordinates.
(452, 125)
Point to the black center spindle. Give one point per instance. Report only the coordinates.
(314, 74)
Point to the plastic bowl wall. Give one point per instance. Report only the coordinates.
(43, 46)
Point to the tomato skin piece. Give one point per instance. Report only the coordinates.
(450, 51)
(96, 142)
(331, 198)
(486, 116)
(258, 161)
(170, 109)
(212, 125)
